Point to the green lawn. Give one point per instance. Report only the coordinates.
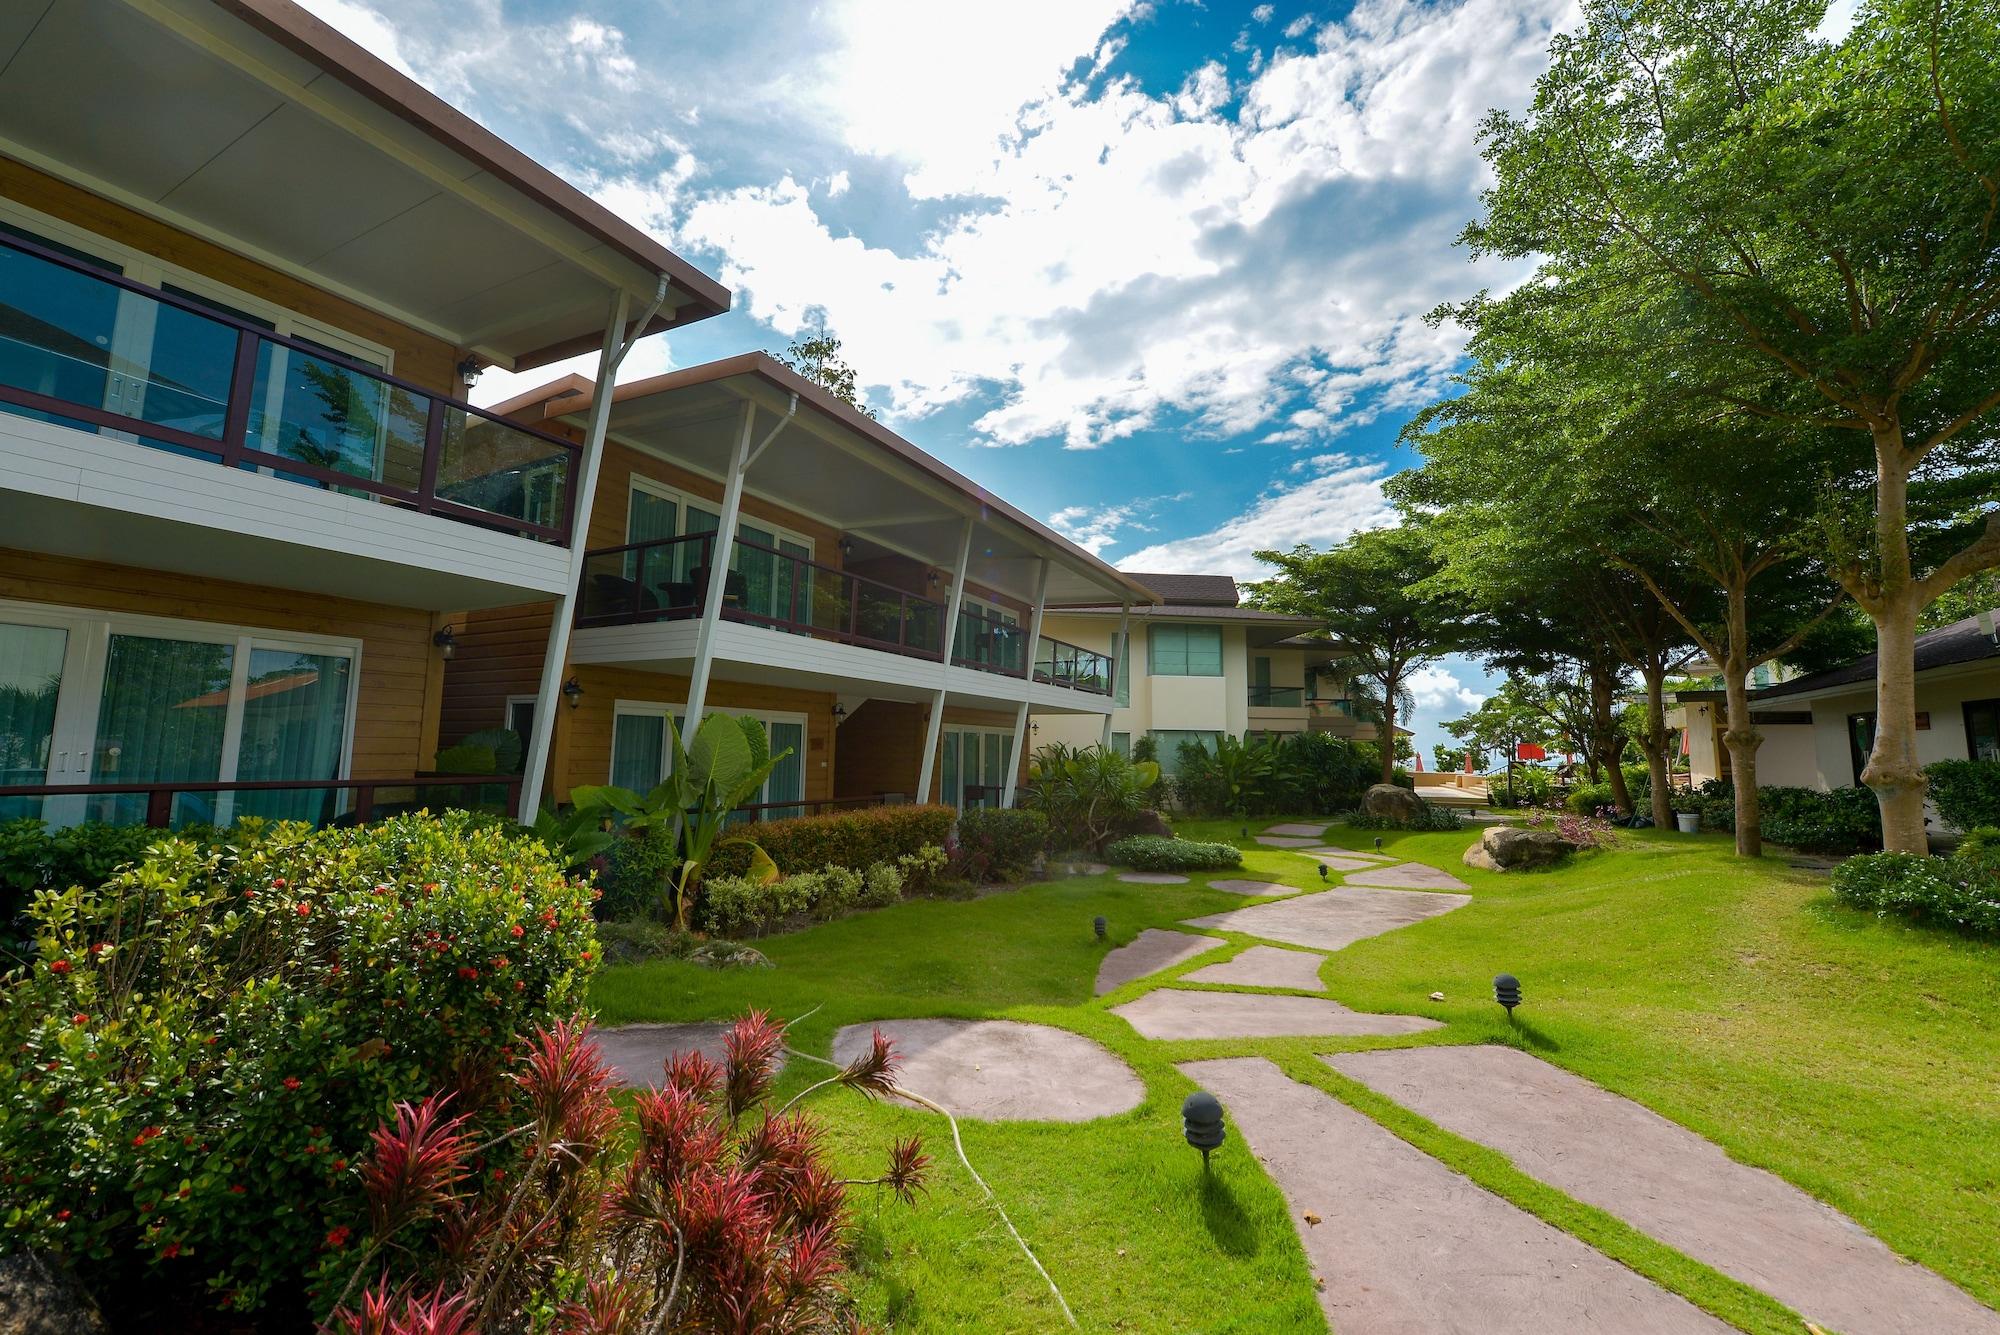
(1854, 1057)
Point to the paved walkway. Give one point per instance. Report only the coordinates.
(1331, 919)
(1000, 1070)
(1148, 953)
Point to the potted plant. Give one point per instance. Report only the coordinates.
(1687, 811)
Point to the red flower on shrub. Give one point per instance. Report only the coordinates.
(79, 1019)
(249, 893)
(97, 947)
(303, 909)
(518, 930)
(146, 1134)
(61, 1215)
(467, 971)
(58, 966)
(337, 1237)
(291, 1082)
(170, 1251)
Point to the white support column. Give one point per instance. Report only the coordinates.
(1120, 648)
(936, 725)
(556, 658)
(1021, 713)
(718, 572)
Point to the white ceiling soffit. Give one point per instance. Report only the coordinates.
(179, 110)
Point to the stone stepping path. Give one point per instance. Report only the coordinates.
(1286, 840)
(1342, 861)
(1331, 919)
(638, 1053)
(1313, 832)
(1236, 887)
(1001, 1070)
(1170, 1013)
(1406, 876)
(1264, 966)
(1406, 1246)
(1151, 951)
(1152, 878)
(1672, 1184)
(1374, 859)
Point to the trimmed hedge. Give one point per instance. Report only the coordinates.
(1967, 792)
(1430, 818)
(853, 839)
(739, 906)
(34, 857)
(999, 845)
(1961, 891)
(1148, 852)
(1845, 820)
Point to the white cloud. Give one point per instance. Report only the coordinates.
(1263, 13)
(1299, 26)
(1436, 691)
(1099, 528)
(1342, 496)
(364, 27)
(837, 185)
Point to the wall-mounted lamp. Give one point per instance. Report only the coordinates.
(1034, 727)
(469, 369)
(839, 710)
(846, 546)
(446, 642)
(572, 692)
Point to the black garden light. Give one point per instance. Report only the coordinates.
(1507, 991)
(1201, 1123)
(1324, 874)
(1100, 925)
(1378, 843)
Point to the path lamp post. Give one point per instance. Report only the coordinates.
(1201, 1123)
(1324, 875)
(1507, 991)
(1099, 925)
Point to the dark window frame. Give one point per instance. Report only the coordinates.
(1966, 709)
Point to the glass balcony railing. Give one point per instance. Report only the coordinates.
(1062, 664)
(86, 347)
(1277, 697)
(990, 643)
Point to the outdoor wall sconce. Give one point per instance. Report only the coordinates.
(846, 546)
(1034, 727)
(1201, 1123)
(1507, 991)
(839, 710)
(1100, 926)
(446, 642)
(572, 691)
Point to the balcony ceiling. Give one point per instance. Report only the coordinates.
(851, 473)
(251, 123)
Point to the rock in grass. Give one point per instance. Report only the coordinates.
(1391, 802)
(1511, 848)
(728, 955)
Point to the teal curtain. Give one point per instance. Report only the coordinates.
(638, 751)
(294, 727)
(948, 789)
(160, 719)
(1186, 651)
(794, 596)
(759, 567)
(649, 518)
(698, 521)
(31, 666)
(788, 780)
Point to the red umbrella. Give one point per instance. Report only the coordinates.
(1529, 751)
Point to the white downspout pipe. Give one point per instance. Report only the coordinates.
(929, 764)
(1121, 648)
(1021, 712)
(556, 658)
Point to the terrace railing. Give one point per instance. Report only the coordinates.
(317, 801)
(990, 643)
(667, 579)
(1061, 664)
(1277, 697)
(87, 347)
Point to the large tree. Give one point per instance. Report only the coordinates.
(1821, 220)
(1371, 593)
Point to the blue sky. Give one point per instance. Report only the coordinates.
(1153, 271)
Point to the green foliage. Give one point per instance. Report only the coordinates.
(34, 857)
(1967, 792)
(637, 940)
(504, 743)
(1315, 773)
(1087, 793)
(467, 758)
(1962, 891)
(999, 845)
(640, 862)
(1531, 786)
(743, 906)
(1845, 820)
(576, 836)
(817, 358)
(1148, 852)
(852, 839)
(194, 1061)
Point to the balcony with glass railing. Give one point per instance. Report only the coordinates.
(1277, 697)
(85, 347)
(1058, 663)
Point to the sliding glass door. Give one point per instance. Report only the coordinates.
(640, 756)
(31, 678)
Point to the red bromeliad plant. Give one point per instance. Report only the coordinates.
(714, 1214)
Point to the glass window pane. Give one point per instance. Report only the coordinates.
(484, 464)
(638, 749)
(1204, 651)
(325, 414)
(758, 566)
(294, 727)
(691, 553)
(1982, 729)
(948, 789)
(55, 331)
(31, 665)
(160, 718)
(788, 779)
(1124, 651)
(649, 518)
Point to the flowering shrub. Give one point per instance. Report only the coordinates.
(710, 1213)
(1595, 831)
(192, 1063)
(853, 839)
(1961, 891)
(1151, 853)
(746, 906)
(999, 845)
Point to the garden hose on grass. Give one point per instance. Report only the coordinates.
(991, 1199)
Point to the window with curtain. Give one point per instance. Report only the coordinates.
(161, 717)
(1186, 651)
(31, 669)
(638, 751)
(1169, 741)
(788, 779)
(1123, 649)
(294, 727)
(1121, 743)
(650, 517)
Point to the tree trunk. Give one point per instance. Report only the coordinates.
(1605, 738)
(1656, 745)
(1892, 770)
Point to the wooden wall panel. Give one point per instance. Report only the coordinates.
(394, 732)
(419, 357)
(882, 742)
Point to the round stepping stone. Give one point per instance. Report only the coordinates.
(1002, 1070)
(1264, 966)
(1406, 876)
(1310, 831)
(1236, 887)
(1330, 919)
(1151, 878)
(1169, 1013)
(1151, 951)
(1286, 840)
(638, 1053)
(1406, 1244)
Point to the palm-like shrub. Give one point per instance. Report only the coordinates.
(1086, 792)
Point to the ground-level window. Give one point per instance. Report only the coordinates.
(95, 698)
(1860, 741)
(1170, 740)
(974, 766)
(1982, 729)
(641, 757)
(1121, 742)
